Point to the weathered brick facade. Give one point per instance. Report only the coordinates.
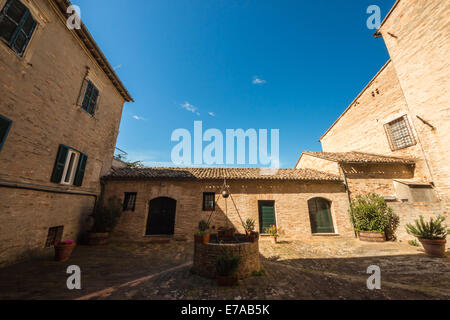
(39, 94)
(291, 205)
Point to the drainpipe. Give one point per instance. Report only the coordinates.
(348, 196)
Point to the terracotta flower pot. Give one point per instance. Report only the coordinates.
(274, 240)
(98, 238)
(252, 236)
(371, 236)
(63, 251)
(202, 238)
(434, 248)
(228, 281)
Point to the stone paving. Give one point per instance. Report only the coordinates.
(318, 269)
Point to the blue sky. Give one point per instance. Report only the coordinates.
(288, 65)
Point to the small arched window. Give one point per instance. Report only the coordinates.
(320, 215)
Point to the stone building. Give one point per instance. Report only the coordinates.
(60, 109)
(162, 201)
(393, 138)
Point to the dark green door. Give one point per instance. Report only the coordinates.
(266, 215)
(161, 216)
(320, 216)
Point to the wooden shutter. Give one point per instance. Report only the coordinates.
(5, 125)
(82, 92)
(266, 215)
(60, 163)
(79, 175)
(94, 100)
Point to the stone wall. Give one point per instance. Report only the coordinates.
(39, 92)
(291, 205)
(205, 257)
(417, 38)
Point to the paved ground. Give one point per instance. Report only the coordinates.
(330, 269)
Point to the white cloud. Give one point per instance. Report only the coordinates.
(189, 107)
(212, 114)
(258, 80)
(117, 67)
(138, 118)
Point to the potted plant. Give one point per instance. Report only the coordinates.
(63, 250)
(372, 218)
(202, 236)
(226, 233)
(249, 227)
(274, 232)
(106, 216)
(226, 269)
(431, 235)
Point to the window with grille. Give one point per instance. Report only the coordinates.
(208, 201)
(16, 25)
(54, 236)
(399, 134)
(129, 202)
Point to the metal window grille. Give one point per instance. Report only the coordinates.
(54, 236)
(399, 134)
(208, 201)
(130, 201)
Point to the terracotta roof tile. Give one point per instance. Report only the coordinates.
(357, 157)
(220, 173)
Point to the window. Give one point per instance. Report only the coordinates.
(5, 125)
(16, 25)
(266, 215)
(399, 134)
(90, 97)
(320, 215)
(70, 166)
(130, 201)
(54, 236)
(208, 201)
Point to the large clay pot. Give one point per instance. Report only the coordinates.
(202, 238)
(98, 238)
(434, 248)
(63, 251)
(228, 281)
(371, 236)
(252, 236)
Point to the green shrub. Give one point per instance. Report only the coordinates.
(371, 213)
(413, 243)
(106, 216)
(249, 225)
(432, 230)
(227, 264)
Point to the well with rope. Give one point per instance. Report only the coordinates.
(226, 241)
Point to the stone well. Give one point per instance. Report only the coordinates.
(205, 257)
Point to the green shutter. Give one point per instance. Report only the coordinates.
(60, 163)
(5, 125)
(267, 215)
(79, 175)
(320, 216)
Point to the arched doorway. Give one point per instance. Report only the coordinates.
(320, 215)
(161, 216)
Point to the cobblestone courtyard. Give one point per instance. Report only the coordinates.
(319, 269)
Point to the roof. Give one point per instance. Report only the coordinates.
(220, 173)
(356, 99)
(95, 51)
(358, 157)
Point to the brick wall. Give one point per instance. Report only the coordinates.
(361, 128)
(419, 44)
(309, 162)
(39, 93)
(291, 206)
